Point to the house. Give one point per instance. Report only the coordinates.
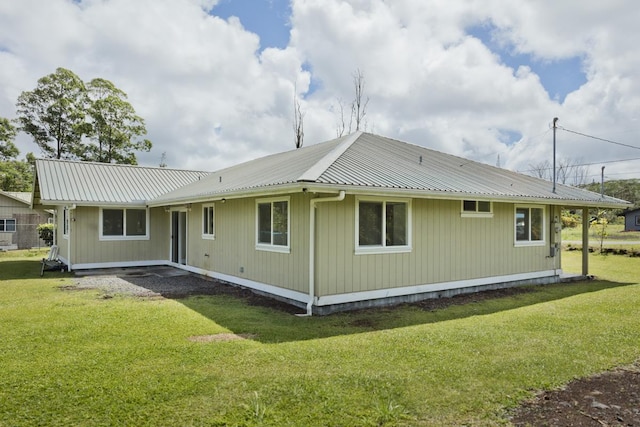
(18, 222)
(632, 220)
(357, 221)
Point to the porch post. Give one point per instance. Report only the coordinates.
(585, 241)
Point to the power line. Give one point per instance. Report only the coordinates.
(598, 138)
(585, 164)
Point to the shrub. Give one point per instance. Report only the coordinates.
(45, 231)
(569, 221)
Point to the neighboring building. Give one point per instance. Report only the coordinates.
(632, 220)
(356, 221)
(18, 222)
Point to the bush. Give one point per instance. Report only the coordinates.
(45, 231)
(569, 221)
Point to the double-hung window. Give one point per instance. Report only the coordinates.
(123, 224)
(529, 225)
(7, 225)
(208, 222)
(383, 226)
(272, 224)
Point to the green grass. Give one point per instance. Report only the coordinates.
(613, 232)
(76, 358)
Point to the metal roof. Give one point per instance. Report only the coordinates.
(363, 162)
(88, 183)
(19, 196)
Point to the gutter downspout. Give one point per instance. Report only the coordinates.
(69, 209)
(312, 245)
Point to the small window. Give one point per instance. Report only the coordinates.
(477, 208)
(637, 219)
(130, 224)
(272, 225)
(7, 225)
(382, 226)
(529, 225)
(65, 222)
(208, 222)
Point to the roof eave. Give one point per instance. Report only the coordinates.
(315, 187)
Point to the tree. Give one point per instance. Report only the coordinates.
(8, 150)
(16, 175)
(53, 114)
(114, 125)
(541, 169)
(298, 122)
(359, 104)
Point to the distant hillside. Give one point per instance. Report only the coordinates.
(625, 189)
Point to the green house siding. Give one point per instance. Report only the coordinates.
(233, 251)
(445, 247)
(87, 248)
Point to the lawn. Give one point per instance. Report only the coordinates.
(613, 232)
(77, 358)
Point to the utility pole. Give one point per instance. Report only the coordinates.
(555, 121)
(602, 184)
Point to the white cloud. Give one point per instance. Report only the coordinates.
(212, 98)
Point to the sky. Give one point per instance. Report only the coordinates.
(215, 80)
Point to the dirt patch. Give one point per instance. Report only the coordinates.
(462, 299)
(609, 399)
(221, 337)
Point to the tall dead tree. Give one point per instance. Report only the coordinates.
(359, 104)
(542, 170)
(298, 121)
(358, 107)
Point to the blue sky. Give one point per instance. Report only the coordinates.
(445, 75)
(558, 76)
(269, 19)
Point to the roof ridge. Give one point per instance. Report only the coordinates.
(314, 172)
(85, 162)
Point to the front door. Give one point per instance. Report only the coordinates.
(179, 237)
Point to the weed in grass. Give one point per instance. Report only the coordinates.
(256, 409)
(390, 413)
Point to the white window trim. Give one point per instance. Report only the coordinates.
(476, 214)
(124, 230)
(205, 235)
(268, 246)
(530, 242)
(15, 225)
(382, 249)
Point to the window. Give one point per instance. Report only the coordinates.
(117, 223)
(208, 222)
(8, 225)
(382, 226)
(529, 222)
(637, 219)
(477, 208)
(65, 222)
(272, 224)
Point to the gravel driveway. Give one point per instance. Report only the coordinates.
(162, 281)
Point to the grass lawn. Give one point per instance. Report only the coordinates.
(76, 358)
(612, 232)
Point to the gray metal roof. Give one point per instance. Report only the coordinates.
(19, 196)
(363, 162)
(87, 183)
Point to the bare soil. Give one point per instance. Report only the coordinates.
(609, 399)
